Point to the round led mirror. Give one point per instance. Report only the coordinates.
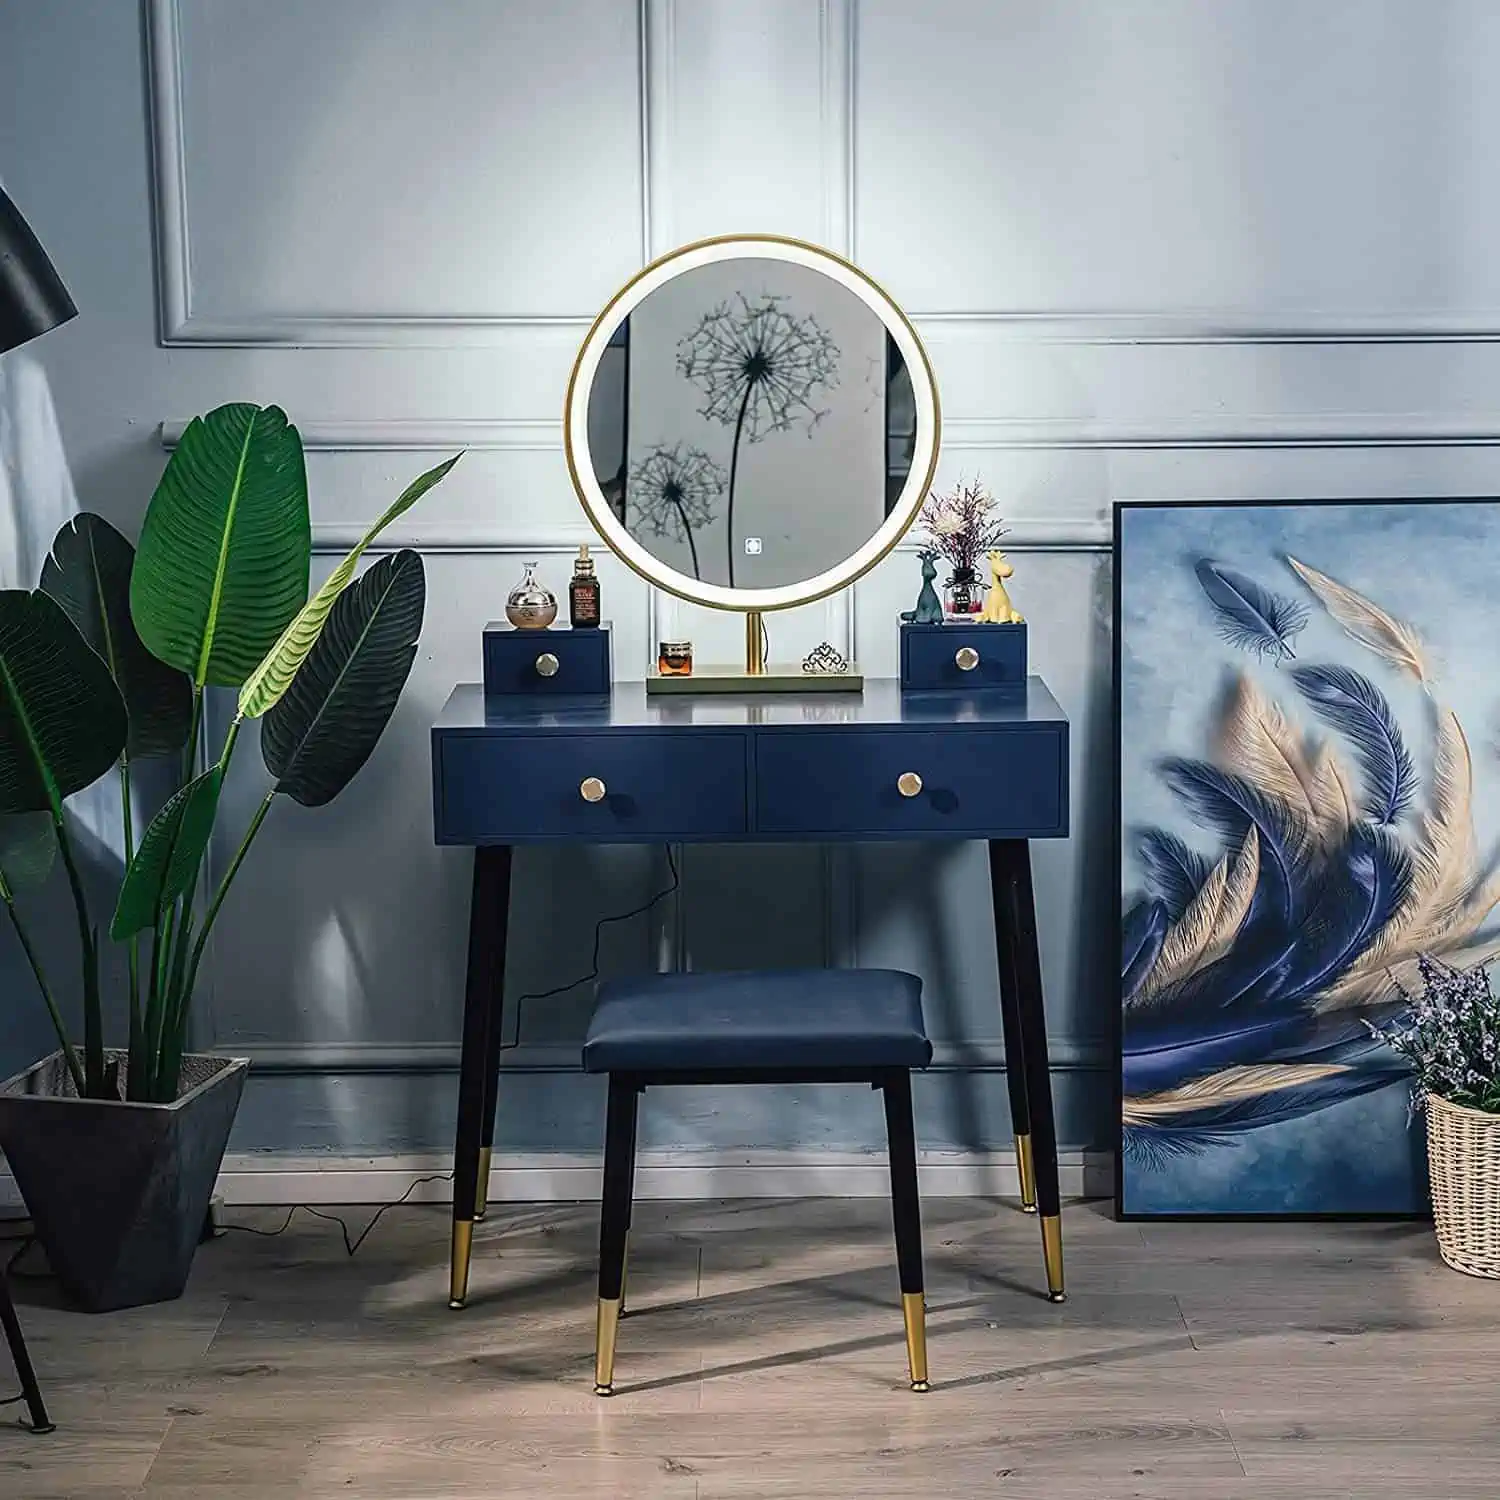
(751, 423)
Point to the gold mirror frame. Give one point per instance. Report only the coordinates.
(720, 596)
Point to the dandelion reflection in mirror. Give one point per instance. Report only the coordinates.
(673, 491)
(759, 366)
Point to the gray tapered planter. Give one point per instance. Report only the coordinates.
(118, 1192)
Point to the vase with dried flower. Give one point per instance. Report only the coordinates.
(962, 524)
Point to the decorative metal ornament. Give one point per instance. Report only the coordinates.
(824, 659)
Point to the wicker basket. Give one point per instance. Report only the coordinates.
(1463, 1154)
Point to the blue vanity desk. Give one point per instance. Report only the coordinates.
(990, 763)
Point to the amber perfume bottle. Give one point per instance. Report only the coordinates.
(583, 592)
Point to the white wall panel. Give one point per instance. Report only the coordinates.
(1248, 165)
(375, 170)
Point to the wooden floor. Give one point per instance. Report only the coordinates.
(763, 1356)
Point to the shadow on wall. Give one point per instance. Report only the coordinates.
(37, 497)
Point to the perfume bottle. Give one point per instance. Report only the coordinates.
(583, 592)
(531, 605)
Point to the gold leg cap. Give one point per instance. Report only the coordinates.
(1026, 1167)
(914, 1314)
(606, 1329)
(1052, 1254)
(458, 1271)
(482, 1192)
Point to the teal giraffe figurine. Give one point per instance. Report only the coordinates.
(929, 610)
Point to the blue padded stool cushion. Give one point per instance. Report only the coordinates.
(779, 1018)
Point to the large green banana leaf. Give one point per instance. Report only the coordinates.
(273, 676)
(88, 573)
(167, 861)
(327, 723)
(62, 722)
(223, 559)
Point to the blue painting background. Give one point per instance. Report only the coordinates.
(1435, 566)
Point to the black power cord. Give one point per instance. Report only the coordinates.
(351, 1245)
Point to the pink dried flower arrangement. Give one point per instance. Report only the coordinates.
(962, 525)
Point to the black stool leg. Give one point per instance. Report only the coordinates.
(1015, 923)
(1015, 1049)
(489, 917)
(13, 1336)
(901, 1137)
(614, 1224)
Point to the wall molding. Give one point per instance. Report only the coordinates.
(179, 326)
(298, 1059)
(273, 1179)
(992, 434)
(1334, 430)
(495, 434)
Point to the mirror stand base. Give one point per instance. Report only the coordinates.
(768, 680)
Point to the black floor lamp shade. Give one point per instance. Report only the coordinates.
(32, 296)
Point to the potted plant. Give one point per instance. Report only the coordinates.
(1452, 1040)
(116, 1149)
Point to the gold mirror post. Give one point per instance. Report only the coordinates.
(755, 644)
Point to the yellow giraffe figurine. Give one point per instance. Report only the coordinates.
(998, 610)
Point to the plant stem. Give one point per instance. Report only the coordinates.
(734, 464)
(69, 1056)
(127, 822)
(223, 890)
(190, 755)
(168, 1062)
(93, 1020)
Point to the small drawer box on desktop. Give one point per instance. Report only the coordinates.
(963, 656)
(556, 661)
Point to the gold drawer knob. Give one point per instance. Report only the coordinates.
(966, 658)
(546, 665)
(591, 789)
(908, 783)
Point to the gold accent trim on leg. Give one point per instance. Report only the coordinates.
(482, 1191)
(606, 1329)
(914, 1314)
(1052, 1255)
(458, 1268)
(1026, 1166)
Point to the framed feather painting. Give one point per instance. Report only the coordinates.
(1308, 799)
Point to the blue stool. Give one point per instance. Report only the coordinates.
(785, 1026)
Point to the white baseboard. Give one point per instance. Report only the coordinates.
(271, 1178)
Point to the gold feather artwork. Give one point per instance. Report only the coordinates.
(1209, 926)
(1366, 622)
(1228, 1086)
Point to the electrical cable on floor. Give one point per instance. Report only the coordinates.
(350, 1246)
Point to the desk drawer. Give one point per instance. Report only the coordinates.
(515, 788)
(977, 783)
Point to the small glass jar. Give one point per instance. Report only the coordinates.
(963, 595)
(531, 605)
(675, 659)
